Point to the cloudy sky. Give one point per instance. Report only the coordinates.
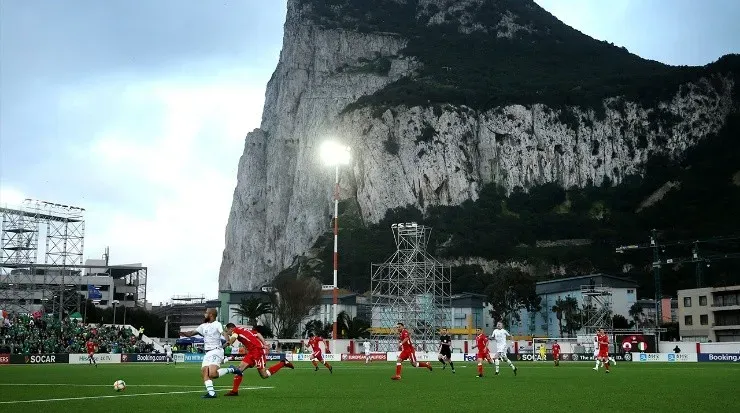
(136, 110)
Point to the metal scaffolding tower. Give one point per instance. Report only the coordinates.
(410, 287)
(26, 286)
(597, 305)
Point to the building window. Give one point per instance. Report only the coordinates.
(630, 291)
(704, 319)
(687, 301)
(703, 300)
(688, 320)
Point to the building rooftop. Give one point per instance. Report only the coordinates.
(575, 283)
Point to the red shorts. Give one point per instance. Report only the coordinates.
(255, 358)
(318, 356)
(407, 354)
(555, 356)
(90, 354)
(603, 353)
(483, 355)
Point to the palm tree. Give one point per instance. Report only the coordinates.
(558, 310)
(635, 313)
(252, 309)
(352, 327)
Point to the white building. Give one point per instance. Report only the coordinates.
(544, 323)
(709, 314)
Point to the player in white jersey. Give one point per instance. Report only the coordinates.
(212, 331)
(499, 337)
(366, 348)
(168, 352)
(596, 355)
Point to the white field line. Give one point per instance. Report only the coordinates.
(116, 396)
(107, 385)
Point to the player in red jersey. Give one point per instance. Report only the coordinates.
(256, 346)
(407, 352)
(556, 353)
(603, 356)
(481, 343)
(316, 355)
(91, 347)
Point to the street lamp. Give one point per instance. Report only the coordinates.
(335, 154)
(115, 303)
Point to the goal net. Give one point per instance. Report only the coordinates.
(543, 346)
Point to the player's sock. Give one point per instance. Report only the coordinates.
(237, 382)
(443, 362)
(327, 365)
(398, 369)
(275, 367)
(597, 365)
(480, 369)
(497, 364)
(424, 364)
(209, 387)
(606, 366)
(452, 366)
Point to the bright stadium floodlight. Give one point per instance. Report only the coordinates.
(335, 154)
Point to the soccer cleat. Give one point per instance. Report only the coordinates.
(607, 371)
(237, 371)
(496, 373)
(233, 369)
(289, 365)
(209, 396)
(595, 369)
(429, 366)
(232, 393)
(479, 375)
(396, 378)
(316, 369)
(453, 371)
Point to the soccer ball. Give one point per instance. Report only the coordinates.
(119, 385)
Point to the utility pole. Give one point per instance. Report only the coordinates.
(656, 275)
(699, 262)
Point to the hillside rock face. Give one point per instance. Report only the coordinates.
(434, 155)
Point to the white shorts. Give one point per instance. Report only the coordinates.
(169, 355)
(213, 357)
(499, 353)
(596, 353)
(367, 352)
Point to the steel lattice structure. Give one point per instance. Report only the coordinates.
(26, 286)
(597, 304)
(410, 287)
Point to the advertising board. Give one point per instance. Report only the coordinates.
(100, 358)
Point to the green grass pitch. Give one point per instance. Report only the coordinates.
(356, 387)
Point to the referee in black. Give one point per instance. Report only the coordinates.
(445, 349)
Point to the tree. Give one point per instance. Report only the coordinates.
(317, 328)
(511, 290)
(636, 314)
(349, 327)
(252, 309)
(620, 321)
(558, 310)
(572, 314)
(292, 300)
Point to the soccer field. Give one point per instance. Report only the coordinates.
(572, 387)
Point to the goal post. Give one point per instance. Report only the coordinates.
(567, 345)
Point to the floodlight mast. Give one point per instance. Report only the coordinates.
(335, 154)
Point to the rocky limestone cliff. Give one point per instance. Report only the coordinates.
(439, 154)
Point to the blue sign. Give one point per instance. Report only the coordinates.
(93, 293)
(719, 357)
(193, 357)
(643, 357)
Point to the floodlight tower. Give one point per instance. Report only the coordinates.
(335, 154)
